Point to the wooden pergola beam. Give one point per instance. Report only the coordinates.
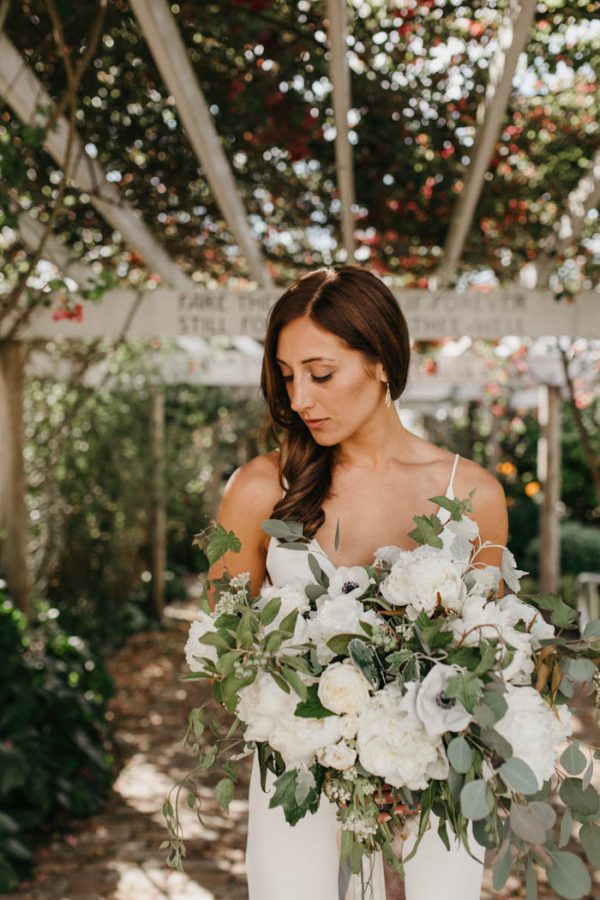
(582, 199)
(512, 38)
(167, 47)
(340, 79)
(22, 90)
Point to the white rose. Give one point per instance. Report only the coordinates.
(292, 596)
(261, 706)
(534, 731)
(298, 738)
(337, 756)
(348, 727)
(343, 688)
(417, 578)
(437, 713)
(349, 581)
(195, 651)
(393, 744)
(337, 615)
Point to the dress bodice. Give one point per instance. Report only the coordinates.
(283, 563)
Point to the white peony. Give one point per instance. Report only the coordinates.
(195, 651)
(418, 576)
(343, 688)
(517, 611)
(298, 739)
(484, 580)
(348, 727)
(337, 615)
(393, 744)
(479, 620)
(337, 756)
(292, 596)
(349, 581)
(437, 713)
(387, 556)
(262, 705)
(534, 731)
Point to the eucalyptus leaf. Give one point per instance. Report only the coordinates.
(566, 827)
(295, 682)
(317, 572)
(519, 776)
(581, 669)
(573, 760)
(501, 869)
(475, 800)
(589, 836)
(580, 800)
(526, 824)
(530, 880)
(568, 875)
(284, 531)
(544, 812)
(460, 755)
(592, 629)
(269, 612)
(586, 779)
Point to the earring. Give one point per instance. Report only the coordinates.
(388, 396)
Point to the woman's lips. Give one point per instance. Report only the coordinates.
(315, 423)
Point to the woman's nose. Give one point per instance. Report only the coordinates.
(300, 395)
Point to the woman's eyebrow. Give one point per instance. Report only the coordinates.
(304, 361)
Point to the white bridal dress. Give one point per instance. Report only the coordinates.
(302, 862)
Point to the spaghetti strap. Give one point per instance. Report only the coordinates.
(450, 488)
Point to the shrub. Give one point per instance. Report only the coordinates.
(579, 550)
(55, 753)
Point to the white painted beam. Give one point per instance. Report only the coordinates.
(340, 79)
(21, 89)
(168, 49)
(512, 38)
(204, 313)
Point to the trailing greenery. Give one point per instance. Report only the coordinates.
(55, 751)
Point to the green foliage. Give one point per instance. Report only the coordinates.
(55, 753)
(579, 550)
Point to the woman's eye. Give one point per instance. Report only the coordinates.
(286, 377)
(320, 378)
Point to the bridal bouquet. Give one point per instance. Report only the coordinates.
(401, 690)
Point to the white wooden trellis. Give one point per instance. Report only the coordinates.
(185, 309)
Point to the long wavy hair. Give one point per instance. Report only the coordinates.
(357, 307)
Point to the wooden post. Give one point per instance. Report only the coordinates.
(13, 517)
(158, 510)
(549, 465)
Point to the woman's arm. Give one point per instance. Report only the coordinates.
(248, 499)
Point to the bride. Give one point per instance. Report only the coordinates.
(336, 355)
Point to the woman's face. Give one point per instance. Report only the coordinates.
(327, 382)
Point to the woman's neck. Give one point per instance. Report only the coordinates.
(376, 444)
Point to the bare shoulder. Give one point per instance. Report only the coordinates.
(489, 501)
(254, 487)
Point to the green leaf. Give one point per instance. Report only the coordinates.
(519, 776)
(592, 629)
(501, 869)
(288, 623)
(568, 875)
(274, 641)
(526, 824)
(465, 687)
(460, 755)
(269, 613)
(363, 657)
(587, 775)
(314, 591)
(336, 540)
(279, 681)
(530, 880)
(224, 793)
(318, 573)
(488, 658)
(581, 669)
(496, 742)
(312, 708)
(296, 682)
(226, 662)
(221, 542)
(339, 643)
(573, 760)
(476, 800)
(544, 812)
(305, 782)
(283, 531)
(427, 531)
(589, 836)
(566, 827)
(561, 615)
(284, 795)
(585, 802)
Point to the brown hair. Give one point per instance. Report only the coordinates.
(357, 307)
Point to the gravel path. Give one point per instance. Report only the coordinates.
(115, 855)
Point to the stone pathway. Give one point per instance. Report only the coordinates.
(115, 855)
